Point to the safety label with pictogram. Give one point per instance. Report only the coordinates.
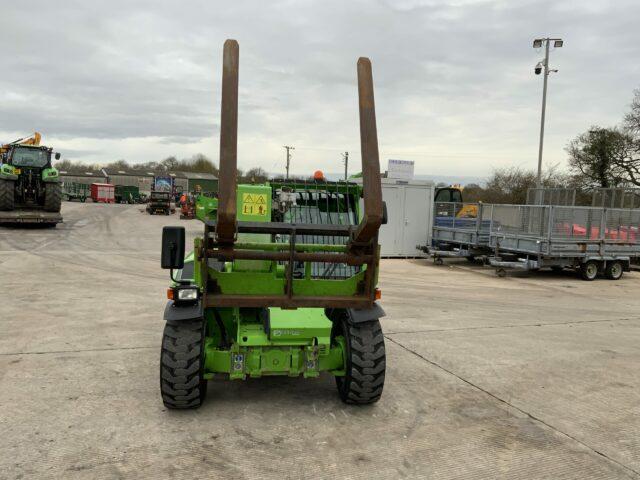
(254, 204)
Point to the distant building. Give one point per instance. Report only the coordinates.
(180, 182)
(137, 178)
(86, 178)
(207, 181)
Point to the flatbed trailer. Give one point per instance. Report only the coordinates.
(592, 240)
(32, 216)
(459, 236)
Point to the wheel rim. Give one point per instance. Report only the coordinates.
(592, 270)
(616, 270)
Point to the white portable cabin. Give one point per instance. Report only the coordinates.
(409, 217)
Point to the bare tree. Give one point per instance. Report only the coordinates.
(632, 118)
(256, 175)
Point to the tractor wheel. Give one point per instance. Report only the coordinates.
(589, 270)
(613, 270)
(7, 188)
(182, 383)
(52, 197)
(365, 358)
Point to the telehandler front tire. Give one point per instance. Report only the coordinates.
(7, 188)
(52, 197)
(365, 361)
(182, 382)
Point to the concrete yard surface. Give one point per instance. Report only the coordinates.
(526, 377)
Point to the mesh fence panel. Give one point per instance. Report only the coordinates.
(622, 225)
(521, 220)
(580, 223)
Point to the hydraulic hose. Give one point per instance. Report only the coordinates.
(223, 331)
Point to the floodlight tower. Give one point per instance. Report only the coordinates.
(544, 65)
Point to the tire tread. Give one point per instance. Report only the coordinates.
(181, 364)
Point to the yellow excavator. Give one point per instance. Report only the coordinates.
(444, 196)
(33, 140)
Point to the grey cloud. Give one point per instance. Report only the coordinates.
(449, 75)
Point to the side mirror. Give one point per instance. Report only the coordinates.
(57, 155)
(385, 217)
(172, 248)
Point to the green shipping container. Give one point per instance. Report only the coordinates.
(127, 194)
(206, 184)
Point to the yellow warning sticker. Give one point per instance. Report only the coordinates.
(254, 204)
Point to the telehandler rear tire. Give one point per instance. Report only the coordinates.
(7, 188)
(182, 382)
(365, 361)
(52, 197)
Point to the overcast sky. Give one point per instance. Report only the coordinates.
(455, 89)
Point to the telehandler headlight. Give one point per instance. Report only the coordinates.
(187, 294)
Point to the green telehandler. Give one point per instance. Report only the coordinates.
(30, 188)
(283, 280)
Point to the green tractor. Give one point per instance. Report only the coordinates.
(283, 279)
(30, 188)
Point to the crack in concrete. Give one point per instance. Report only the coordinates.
(551, 324)
(511, 405)
(76, 351)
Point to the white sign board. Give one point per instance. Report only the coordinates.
(400, 169)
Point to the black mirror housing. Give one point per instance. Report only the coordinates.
(57, 155)
(172, 248)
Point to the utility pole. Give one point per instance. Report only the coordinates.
(543, 64)
(345, 158)
(288, 148)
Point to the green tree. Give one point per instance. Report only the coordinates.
(600, 158)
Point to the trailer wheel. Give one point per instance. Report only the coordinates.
(589, 270)
(182, 382)
(501, 272)
(52, 197)
(7, 189)
(613, 270)
(365, 361)
(438, 260)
